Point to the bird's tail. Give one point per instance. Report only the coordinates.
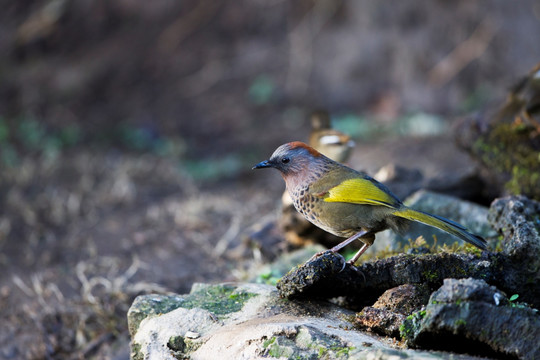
(446, 225)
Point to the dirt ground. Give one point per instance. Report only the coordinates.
(128, 131)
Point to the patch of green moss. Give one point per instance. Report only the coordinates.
(410, 325)
(343, 351)
(405, 329)
(460, 322)
(431, 275)
(147, 305)
(268, 342)
(276, 350)
(322, 351)
(507, 149)
(218, 299)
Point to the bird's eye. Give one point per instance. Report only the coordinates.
(285, 160)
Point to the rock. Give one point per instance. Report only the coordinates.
(468, 214)
(306, 279)
(326, 276)
(390, 310)
(468, 315)
(517, 219)
(250, 321)
(403, 299)
(380, 321)
(270, 273)
(147, 305)
(505, 140)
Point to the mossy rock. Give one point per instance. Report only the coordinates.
(513, 151)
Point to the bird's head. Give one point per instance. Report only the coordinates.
(297, 162)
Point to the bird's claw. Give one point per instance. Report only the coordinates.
(316, 256)
(356, 269)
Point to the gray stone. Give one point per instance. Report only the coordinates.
(468, 315)
(517, 219)
(232, 325)
(380, 321)
(329, 276)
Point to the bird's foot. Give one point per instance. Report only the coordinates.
(316, 255)
(355, 269)
(325, 251)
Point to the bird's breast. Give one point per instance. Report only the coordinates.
(338, 218)
(316, 211)
(305, 203)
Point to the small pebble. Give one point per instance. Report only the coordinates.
(192, 335)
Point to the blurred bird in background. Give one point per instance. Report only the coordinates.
(332, 143)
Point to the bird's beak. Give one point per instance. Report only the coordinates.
(262, 165)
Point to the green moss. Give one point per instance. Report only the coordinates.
(471, 249)
(460, 322)
(405, 330)
(344, 351)
(411, 324)
(269, 342)
(507, 149)
(274, 349)
(431, 276)
(218, 299)
(148, 305)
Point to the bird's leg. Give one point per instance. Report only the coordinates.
(342, 244)
(358, 254)
(368, 240)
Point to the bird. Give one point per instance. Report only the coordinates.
(337, 146)
(332, 143)
(346, 202)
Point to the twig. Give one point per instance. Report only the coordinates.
(463, 54)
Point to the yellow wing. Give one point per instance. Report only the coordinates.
(362, 191)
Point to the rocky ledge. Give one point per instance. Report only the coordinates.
(427, 306)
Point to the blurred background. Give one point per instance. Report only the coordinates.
(128, 130)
